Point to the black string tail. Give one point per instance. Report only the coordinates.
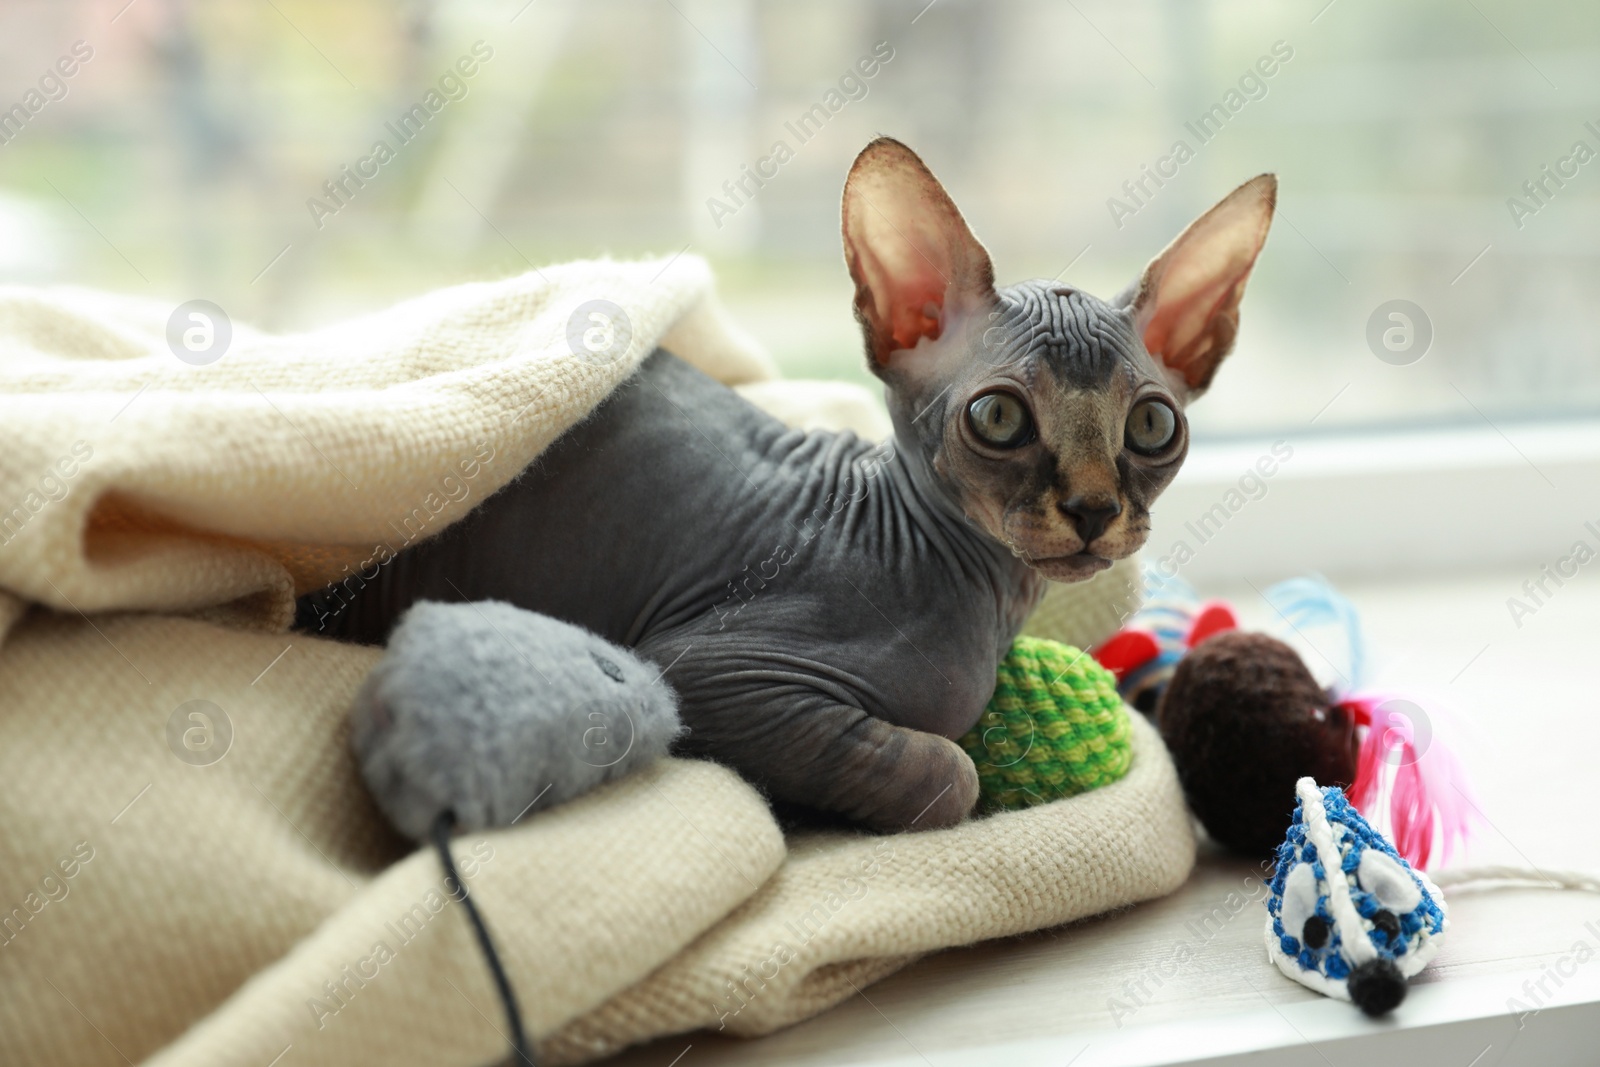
(442, 828)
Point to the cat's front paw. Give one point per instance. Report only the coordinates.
(935, 785)
(492, 712)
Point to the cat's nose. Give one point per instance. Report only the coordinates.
(1090, 515)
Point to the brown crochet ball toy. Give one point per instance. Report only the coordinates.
(1244, 720)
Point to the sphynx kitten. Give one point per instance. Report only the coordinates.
(831, 611)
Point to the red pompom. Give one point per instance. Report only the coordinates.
(1212, 618)
(1126, 650)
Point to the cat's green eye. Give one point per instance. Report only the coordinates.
(1151, 427)
(1000, 420)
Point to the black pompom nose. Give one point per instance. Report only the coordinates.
(1377, 987)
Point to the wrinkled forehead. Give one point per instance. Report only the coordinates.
(1080, 338)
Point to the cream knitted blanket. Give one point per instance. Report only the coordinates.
(191, 872)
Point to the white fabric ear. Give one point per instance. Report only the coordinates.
(1385, 879)
(910, 252)
(1299, 899)
(1186, 307)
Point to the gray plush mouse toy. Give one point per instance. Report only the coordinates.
(481, 713)
(491, 712)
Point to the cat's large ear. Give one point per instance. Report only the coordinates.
(911, 255)
(1186, 304)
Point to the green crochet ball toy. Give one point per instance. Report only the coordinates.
(1054, 728)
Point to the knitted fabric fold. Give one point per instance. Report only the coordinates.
(192, 872)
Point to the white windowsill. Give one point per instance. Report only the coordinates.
(1379, 504)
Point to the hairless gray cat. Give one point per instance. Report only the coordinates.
(830, 610)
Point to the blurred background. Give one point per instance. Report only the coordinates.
(187, 153)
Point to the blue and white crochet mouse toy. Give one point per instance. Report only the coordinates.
(1347, 915)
